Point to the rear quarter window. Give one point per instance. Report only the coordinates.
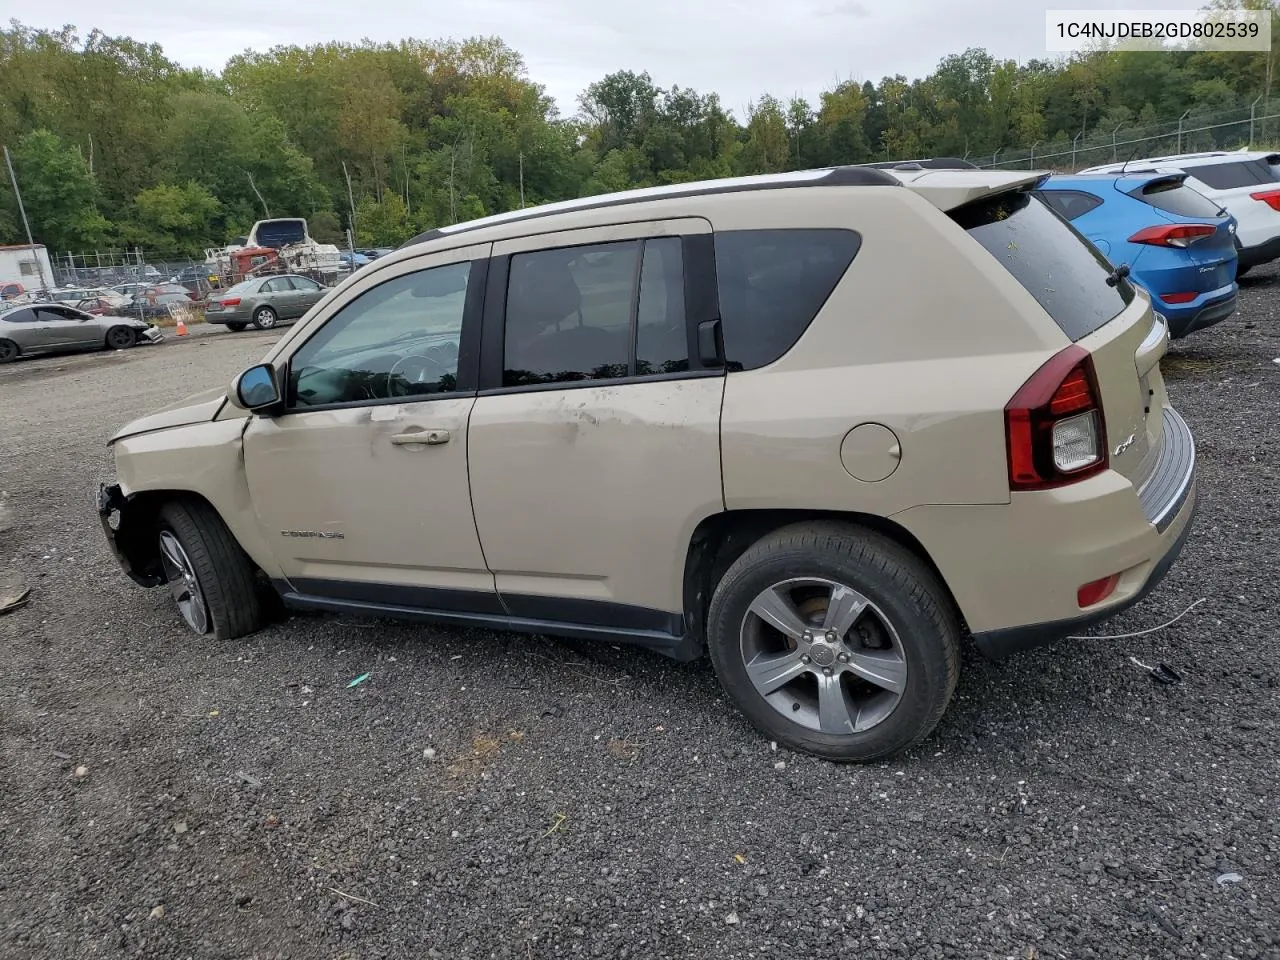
(1049, 258)
(772, 283)
(1070, 203)
(1234, 173)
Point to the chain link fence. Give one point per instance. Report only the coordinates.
(1251, 127)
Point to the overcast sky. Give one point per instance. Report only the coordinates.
(738, 48)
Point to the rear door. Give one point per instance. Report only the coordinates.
(1070, 280)
(594, 442)
(278, 294)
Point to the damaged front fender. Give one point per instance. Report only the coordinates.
(130, 532)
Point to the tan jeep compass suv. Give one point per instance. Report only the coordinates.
(823, 425)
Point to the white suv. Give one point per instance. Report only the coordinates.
(1246, 183)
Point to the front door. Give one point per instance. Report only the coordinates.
(361, 483)
(594, 443)
(67, 329)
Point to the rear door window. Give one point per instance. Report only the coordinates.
(1055, 264)
(1174, 196)
(772, 283)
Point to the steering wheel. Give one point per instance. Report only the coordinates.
(413, 369)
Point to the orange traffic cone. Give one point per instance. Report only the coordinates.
(182, 327)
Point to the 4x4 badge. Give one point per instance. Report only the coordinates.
(1123, 445)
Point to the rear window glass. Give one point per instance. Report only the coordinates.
(1234, 173)
(1057, 266)
(772, 283)
(1173, 196)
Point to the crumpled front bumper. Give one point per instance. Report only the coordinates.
(112, 511)
(151, 334)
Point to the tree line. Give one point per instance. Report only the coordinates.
(116, 145)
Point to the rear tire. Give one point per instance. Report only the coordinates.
(8, 351)
(859, 686)
(236, 327)
(121, 338)
(264, 318)
(217, 576)
(1241, 271)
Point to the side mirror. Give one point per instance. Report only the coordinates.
(256, 388)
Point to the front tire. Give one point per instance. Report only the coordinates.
(836, 641)
(264, 318)
(121, 338)
(8, 351)
(210, 577)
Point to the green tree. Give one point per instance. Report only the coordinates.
(382, 223)
(766, 149)
(325, 227)
(59, 192)
(172, 220)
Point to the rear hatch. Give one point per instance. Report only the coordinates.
(1102, 313)
(1210, 257)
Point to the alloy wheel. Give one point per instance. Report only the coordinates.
(183, 583)
(823, 655)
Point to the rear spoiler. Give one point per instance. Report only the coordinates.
(948, 189)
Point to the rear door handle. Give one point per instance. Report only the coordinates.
(433, 436)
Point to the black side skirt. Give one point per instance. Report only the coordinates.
(655, 630)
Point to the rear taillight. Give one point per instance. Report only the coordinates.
(1180, 235)
(1270, 197)
(1055, 432)
(229, 302)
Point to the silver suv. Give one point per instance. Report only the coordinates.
(823, 425)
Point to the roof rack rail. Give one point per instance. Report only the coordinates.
(932, 163)
(851, 175)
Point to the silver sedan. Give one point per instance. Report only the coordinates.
(264, 301)
(36, 328)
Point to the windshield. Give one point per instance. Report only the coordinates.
(1056, 265)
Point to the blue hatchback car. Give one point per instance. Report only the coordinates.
(1178, 244)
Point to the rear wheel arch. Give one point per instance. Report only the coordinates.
(722, 538)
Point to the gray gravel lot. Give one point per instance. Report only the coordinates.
(493, 795)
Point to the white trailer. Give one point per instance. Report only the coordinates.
(27, 266)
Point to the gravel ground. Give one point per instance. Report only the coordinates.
(492, 795)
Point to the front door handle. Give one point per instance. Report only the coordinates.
(432, 436)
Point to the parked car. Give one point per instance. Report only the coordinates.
(74, 296)
(155, 300)
(1244, 183)
(263, 301)
(11, 290)
(353, 261)
(1176, 243)
(56, 328)
(373, 253)
(720, 416)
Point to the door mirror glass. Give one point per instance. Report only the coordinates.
(256, 388)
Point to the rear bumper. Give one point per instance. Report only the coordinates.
(1014, 569)
(1181, 324)
(1263, 252)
